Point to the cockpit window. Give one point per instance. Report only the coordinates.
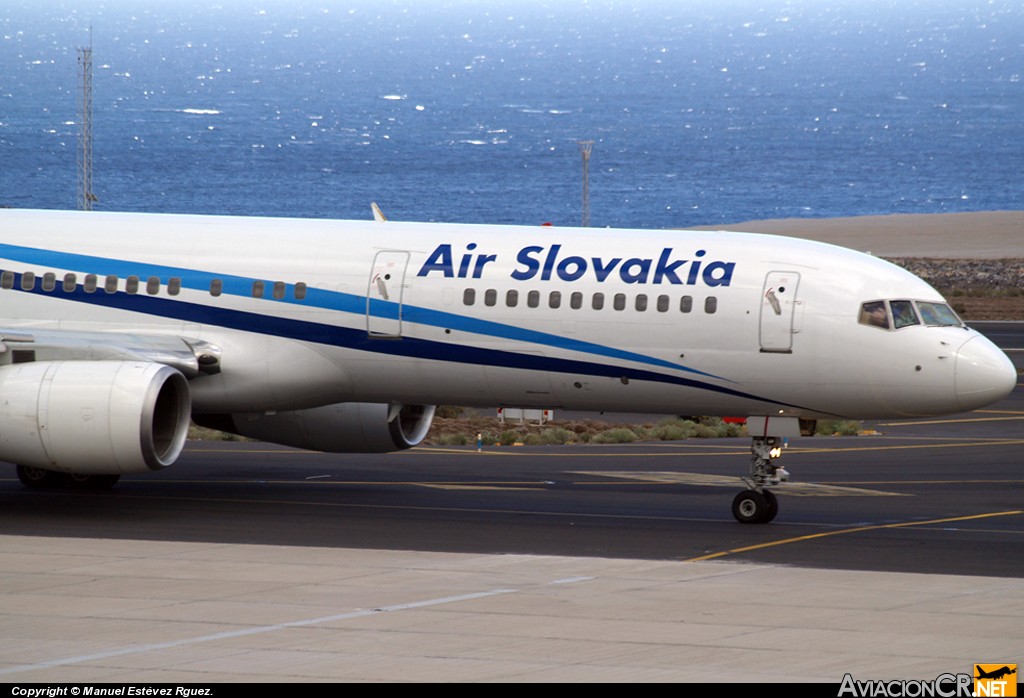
(874, 313)
(903, 314)
(938, 314)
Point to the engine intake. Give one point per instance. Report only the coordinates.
(93, 417)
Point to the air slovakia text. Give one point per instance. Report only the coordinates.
(540, 263)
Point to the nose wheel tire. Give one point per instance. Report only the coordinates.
(753, 507)
(773, 506)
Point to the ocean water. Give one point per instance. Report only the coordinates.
(701, 112)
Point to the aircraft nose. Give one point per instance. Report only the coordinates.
(984, 374)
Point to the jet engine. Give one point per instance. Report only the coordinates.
(93, 417)
(347, 427)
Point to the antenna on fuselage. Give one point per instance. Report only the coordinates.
(378, 215)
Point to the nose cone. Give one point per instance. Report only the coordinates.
(984, 374)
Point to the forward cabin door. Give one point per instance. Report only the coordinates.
(778, 311)
(384, 294)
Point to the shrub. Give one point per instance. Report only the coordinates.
(549, 437)
(703, 431)
(451, 440)
(830, 427)
(729, 430)
(618, 435)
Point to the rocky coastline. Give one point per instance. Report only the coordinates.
(978, 289)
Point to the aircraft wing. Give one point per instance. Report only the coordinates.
(191, 357)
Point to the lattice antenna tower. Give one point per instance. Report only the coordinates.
(85, 195)
(585, 148)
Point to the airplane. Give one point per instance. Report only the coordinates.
(995, 674)
(342, 336)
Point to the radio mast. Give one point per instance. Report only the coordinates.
(585, 148)
(85, 195)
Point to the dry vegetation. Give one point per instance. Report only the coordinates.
(456, 426)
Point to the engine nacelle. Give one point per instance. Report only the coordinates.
(93, 417)
(347, 427)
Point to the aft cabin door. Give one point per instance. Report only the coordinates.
(778, 310)
(384, 294)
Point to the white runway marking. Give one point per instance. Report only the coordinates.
(242, 632)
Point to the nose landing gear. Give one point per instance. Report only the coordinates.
(757, 504)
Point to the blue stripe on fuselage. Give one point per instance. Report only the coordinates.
(359, 340)
(331, 300)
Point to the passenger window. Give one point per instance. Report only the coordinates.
(279, 288)
(641, 302)
(662, 304)
(70, 282)
(173, 286)
(110, 284)
(131, 284)
(153, 285)
(90, 284)
(7, 279)
(257, 289)
(533, 299)
(469, 296)
(710, 305)
(555, 299)
(619, 301)
(490, 297)
(597, 302)
(512, 298)
(686, 304)
(903, 314)
(300, 291)
(216, 287)
(576, 300)
(28, 281)
(874, 313)
(49, 281)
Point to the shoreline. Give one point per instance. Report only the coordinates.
(975, 235)
(975, 260)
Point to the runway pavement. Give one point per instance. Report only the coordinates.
(77, 610)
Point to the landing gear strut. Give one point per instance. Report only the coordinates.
(757, 504)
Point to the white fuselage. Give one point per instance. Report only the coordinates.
(315, 312)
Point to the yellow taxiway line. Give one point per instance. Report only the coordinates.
(843, 532)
